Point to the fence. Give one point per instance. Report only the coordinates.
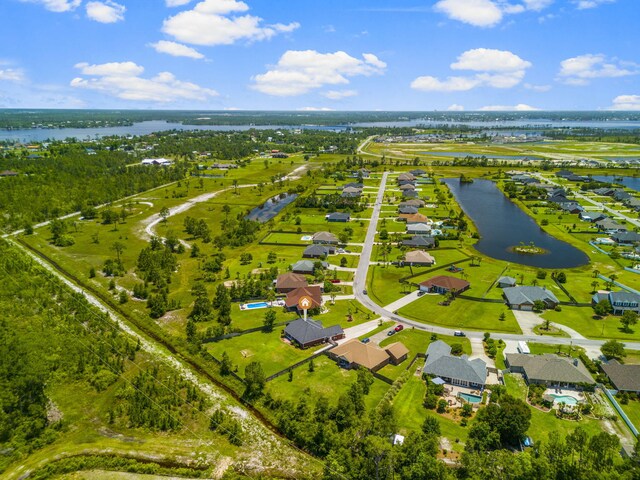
(598, 248)
(566, 292)
(618, 408)
(632, 270)
(295, 365)
(386, 380)
(624, 287)
(243, 332)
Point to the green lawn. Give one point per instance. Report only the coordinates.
(384, 284)
(540, 348)
(632, 409)
(582, 320)
(462, 314)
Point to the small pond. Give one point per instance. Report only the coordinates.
(271, 207)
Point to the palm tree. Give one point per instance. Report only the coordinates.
(594, 284)
(596, 273)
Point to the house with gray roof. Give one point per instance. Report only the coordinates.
(419, 229)
(621, 195)
(504, 282)
(409, 194)
(620, 301)
(624, 378)
(338, 217)
(309, 332)
(626, 238)
(415, 202)
(306, 267)
(417, 172)
(408, 209)
(592, 216)
(524, 298)
(325, 238)
(549, 369)
(610, 226)
(418, 241)
(318, 251)
(454, 370)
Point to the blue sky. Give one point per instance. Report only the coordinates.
(320, 54)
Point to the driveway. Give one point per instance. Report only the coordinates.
(477, 351)
(402, 302)
(359, 330)
(529, 320)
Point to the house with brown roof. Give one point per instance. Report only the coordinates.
(414, 202)
(406, 178)
(408, 186)
(290, 281)
(418, 258)
(444, 284)
(398, 353)
(624, 378)
(355, 354)
(314, 292)
(412, 218)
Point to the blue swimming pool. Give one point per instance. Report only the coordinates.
(566, 399)
(470, 398)
(257, 305)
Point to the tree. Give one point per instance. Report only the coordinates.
(164, 213)
(118, 247)
(225, 364)
(254, 380)
(269, 320)
(613, 349)
(246, 258)
(431, 426)
(629, 318)
(595, 285)
(538, 306)
(312, 367)
(502, 317)
(603, 308)
(561, 277)
(272, 257)
(343, 261)
(123, 296)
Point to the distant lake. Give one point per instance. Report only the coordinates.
(502, 224)
(480, 155)
(270, 208)
(541, 123)
(140, 128)
(630, 182)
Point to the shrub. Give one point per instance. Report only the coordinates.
(430, 401)
(442, 406)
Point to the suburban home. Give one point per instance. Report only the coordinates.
(633, 202)
(417, 172)
(223, 166)
(444, 284)
(355, 354)
(610, 226)
(624, 378)
(626, 238)
(409, 194)
(352, 190)
(318, 251)
(418, 258)
(418, 241)
(406, 178)
(306, 267)
(407, 210)
(606, 191)
(309, 332)
(162, 162)
(411, 218)
(363, 172)
(419, 229)
(559, 198)
(338, 217)
(504, 282)
(314, 292)
(524, 298)
(523, 179)
(571, 207)
(398, 353)
(620, 301)
(620, 195)
(290, 281)
(351, 194)
(454, 370)
(592, 216)
(414, 202)
(407, 186)
(324, 238)
(564, 173)
(353, 185)
(549, 369)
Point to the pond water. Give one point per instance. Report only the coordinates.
(270, 208)
(629, 182)
(502, 225)
(480, 155)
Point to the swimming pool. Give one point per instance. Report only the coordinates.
(566, 399)
(256, 305)
(306, 238)
(470, 398)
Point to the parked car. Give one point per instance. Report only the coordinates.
(458, 333)
(364, 292)
(365, 340)
(421, 292)
(335, 280)
(398, 328)
(390, 332)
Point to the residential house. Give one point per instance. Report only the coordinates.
(314, 292)
(524, 297)
(418, 241)
(411, 218)
(325, 238)
(624, 378)
(564, 173)
(406, 178)
(605, 191)
(408, 210)
(409, 194)
(610, 226)
(162, 162)
(290, 281)
(418, 258)
(454, 370)
(550, 370)
(338, 217)
(306, 267)
(398, 353)
(626, 238)
(358, 185)
(309, 332)
(419, 229)
(318, 251)
(355, 354)
(633, 202)
(592, 216)
(571, 207)
(504, 282)
(8, 173)
(406, 187)
(417, 172)
(414, 202)
(444, 284)
(620, 301)
(620, 195)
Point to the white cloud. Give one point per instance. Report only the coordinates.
(521, 107)
(537, 5)
(496, 68)
(455, 108)
(122, 80)
(585, 4)
(537, 88)
(581, 69)
(105, 12)
(298, 72)
(626, 102)
(11, 75)
(210, 23)
(487, 13)
(339, 94)
(177, 3)
(57, 5)
(176, 49)
(315, 109)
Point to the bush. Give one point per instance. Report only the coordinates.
(558, 308)
(541, 275)
(442, 406)
(430, 401)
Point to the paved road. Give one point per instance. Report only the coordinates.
(360, 285)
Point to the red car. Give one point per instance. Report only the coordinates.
(398, 328)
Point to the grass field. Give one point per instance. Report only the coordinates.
(582, 320)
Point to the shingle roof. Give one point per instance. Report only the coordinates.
(623, 377)
(315, 251)
(313, 292)
(397, 350)
(415, 202)
(291, 280)
(303, 266)
(364, 354)
(507, 280)
(418, 227)
(528, 295)
(413, 218)
(440, 362)
(550, 368)
(418, 256)
(419, 241)
(308, 331)
(338, 216)
(407, 209)
(325, 237)
(446, 282)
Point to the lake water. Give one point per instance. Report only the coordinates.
(270, 208)
(480, 155)
(139, 128)
(502, 225)
(630, 182)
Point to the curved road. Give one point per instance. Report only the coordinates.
(360, 285)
